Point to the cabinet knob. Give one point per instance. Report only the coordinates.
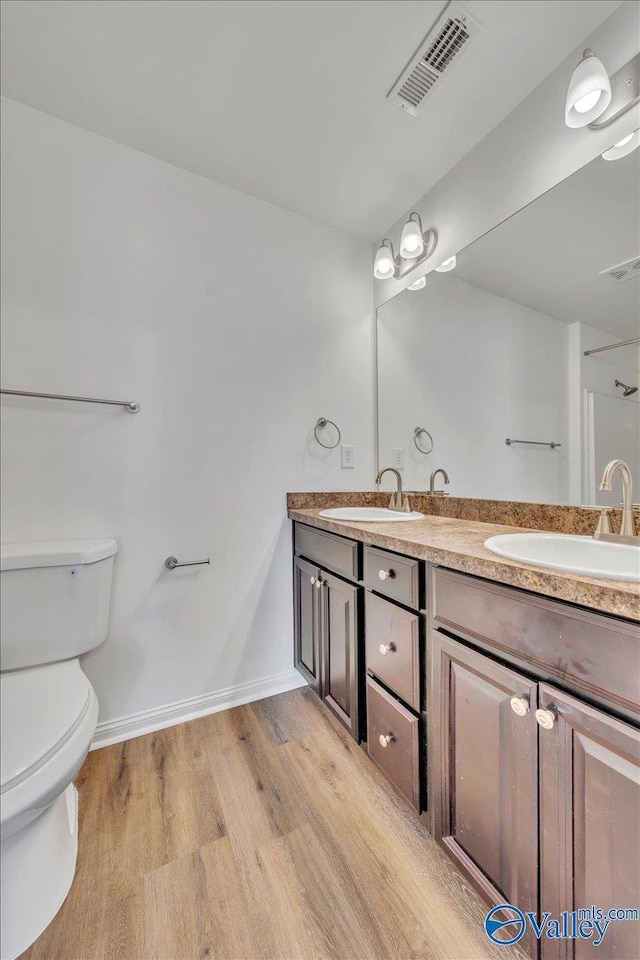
(385, 648)
(384, 741)
(318, 583)
(386, 574)
(546, 718)
(519, 705)
(312, 580)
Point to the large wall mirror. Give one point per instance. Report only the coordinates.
(494, 350)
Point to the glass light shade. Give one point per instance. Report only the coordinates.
(589, 92)
(446, 265)
(411, 242)
(418, 284)
(383, 265)
(620, 149)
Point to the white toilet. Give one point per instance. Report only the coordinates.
(55, 600)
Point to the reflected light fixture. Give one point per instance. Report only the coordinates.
(419, 284)
(411, 240)
(384, 265)
(589, 92)
(623, 147)
(448, 264)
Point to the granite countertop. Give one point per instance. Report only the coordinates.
(458, 544)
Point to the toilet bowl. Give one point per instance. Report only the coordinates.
(55, 600)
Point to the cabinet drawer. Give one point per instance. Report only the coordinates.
(592, 652)
(393, 647)
(394, 576)
(328, 551)
(393, 741)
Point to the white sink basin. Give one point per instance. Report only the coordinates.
(369, 514)
(570, 554)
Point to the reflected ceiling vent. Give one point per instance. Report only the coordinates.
(623, 271)
(441, 49)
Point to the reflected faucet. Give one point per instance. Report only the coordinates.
(399, 500)
(432, 482)
(628, 533)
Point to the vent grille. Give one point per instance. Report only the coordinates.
(623, 271)
(441, 48)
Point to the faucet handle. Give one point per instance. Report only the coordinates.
(604, 524)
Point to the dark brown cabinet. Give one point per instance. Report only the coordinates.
(589, 820)
(327, 634)
(530, 776)
(339, 642)
(484, 767)
(306, 622)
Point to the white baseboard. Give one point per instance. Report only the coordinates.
(148, 721)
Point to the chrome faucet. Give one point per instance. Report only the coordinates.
(432, 482)
(399, 500)
(628, 532)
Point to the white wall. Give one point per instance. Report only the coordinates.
(524, 156)
(120, 280)
(473, 369)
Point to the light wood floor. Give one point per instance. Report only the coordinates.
(261, 832)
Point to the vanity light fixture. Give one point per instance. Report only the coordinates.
(384, 265)
(419, 284)
(623, 147)
(589, 92)
(411, 240)
(415, 246)
(594, 99)
(448, 264)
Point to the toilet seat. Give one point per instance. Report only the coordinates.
(49, 715)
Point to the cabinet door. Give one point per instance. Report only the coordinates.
(340, 641)
(590, 813)
(483, 761)
(306, 616)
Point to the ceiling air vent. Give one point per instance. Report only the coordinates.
(443, 47)
(623, 271)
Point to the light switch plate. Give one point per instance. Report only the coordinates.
(347, 456)
(397, 458)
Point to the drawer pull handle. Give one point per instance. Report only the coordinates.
(386, 648)
(386, 574)
(519, 705)
(546, 719)
(384, 741)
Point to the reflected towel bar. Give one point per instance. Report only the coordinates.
(535, 443)
(131, 406)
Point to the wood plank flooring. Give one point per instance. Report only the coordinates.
(262, 832)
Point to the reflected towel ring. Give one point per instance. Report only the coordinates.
(417, 433)
(320, 425)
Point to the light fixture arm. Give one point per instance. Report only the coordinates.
(625, 93)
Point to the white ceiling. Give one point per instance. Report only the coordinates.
(549, 255)
(285, 99)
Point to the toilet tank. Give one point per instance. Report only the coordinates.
(54, 599)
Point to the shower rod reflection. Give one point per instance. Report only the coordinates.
(131, 406)
(611, 346)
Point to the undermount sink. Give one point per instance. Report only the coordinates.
(570, 554)
(369, 514)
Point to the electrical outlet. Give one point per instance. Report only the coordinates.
(347, 456)
(397, 458)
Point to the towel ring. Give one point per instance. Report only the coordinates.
(320, 425)
(417, 433)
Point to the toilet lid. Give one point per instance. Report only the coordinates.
(40, 709)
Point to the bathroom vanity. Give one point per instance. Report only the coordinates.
(506, 718)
